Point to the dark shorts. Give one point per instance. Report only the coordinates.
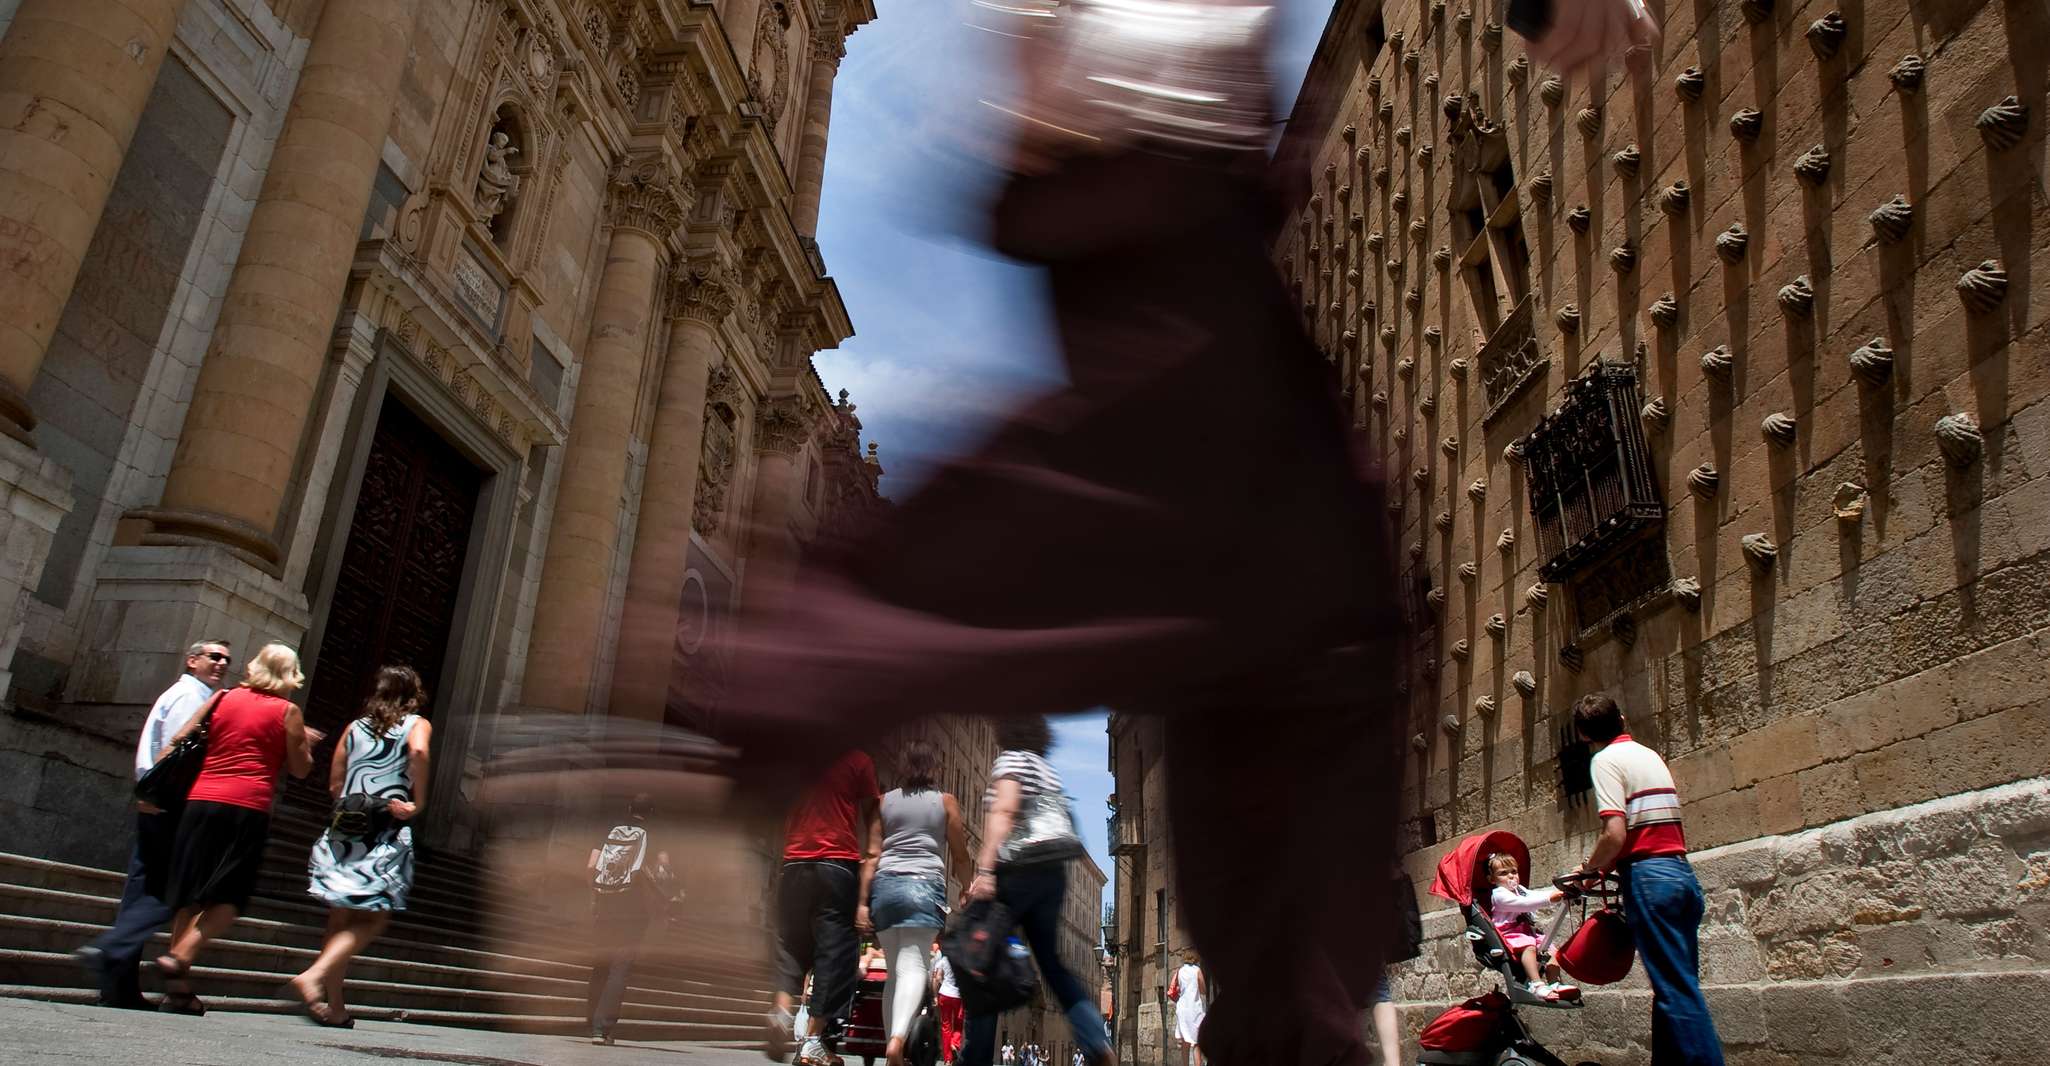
(897, 900)
(217, 855)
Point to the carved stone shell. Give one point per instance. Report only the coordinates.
(1436, 598)
(1826, 35)
(1406, 367)
(1388, 336)
(1437, 10)
(1518, 70)
(1352, 276)
(1468, 572)
(1461, 649)
(1345, 193)
(1385, 114)
(1958, 435)
(1381, 175)
(1797, 297)
(1779, 428)
(1400, 202)
(1761, 550)
(1906, 75)
(1813, 166)
(1688, 592)
(1450, 724)
(1374, 88)
(1422, 477)
(1380, 399)
(1506, 543)
(1394, 502)
(1873, 362)
(1665, 310)
(1402, 136)
(1536, 595)
(1572, 657)
(1756, 11)
(1349, 338)
(1433, 336)
(2002, 125)
(1656, 414)
(1690, 84)
(1395, 41)
(1442, 258)
(1624, 258)
(1355, 222)
(1374, 242)
(1484, 706)
(1746, 124)
(1552, 90)
(1703, 481)
(1418, 230)
(1568, 319)
(1459, 368)
(1512, 452)
(1428, 404)
(1431, 85)
(1420, 742)
(1674, 198)
(1401, 436)
(1395, 268)
(1718, 363)
(1525, 682)
(1367, 310)
(1732, 242)
(1410, 59)
(1580, 218)
(1362, 156)
(1423, 152)
(1627, 160)
(1983, 287)
(1350, 133)
(1540, 187)
(1491, 36)
(1414, 298)
(1590, 121)
(1496, 625)
(1462, 23)
(1477, 490)
(1450, 446)
(1892, 219)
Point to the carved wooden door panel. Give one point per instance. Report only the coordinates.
(401, 572)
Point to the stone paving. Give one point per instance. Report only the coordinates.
(55, 1034)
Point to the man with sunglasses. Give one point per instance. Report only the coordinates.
(116, 956)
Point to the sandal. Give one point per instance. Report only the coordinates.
(181, 1003)
(173, 968)
(325, 1016)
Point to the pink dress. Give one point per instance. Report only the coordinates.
(1511, 910)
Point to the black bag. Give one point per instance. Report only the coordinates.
(994, 976)
(169, 780)
(360, 816)
(1409, 922)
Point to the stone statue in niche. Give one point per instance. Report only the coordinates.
(497, 185)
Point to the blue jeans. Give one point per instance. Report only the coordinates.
(1034, 895)
(1663, 903)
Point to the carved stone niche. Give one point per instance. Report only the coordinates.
(718, 455)
(1510, 362)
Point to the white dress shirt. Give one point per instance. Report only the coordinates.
(173, 709)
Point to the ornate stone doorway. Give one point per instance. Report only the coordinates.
(398, 586)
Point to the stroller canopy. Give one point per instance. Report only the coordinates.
(1463, 872)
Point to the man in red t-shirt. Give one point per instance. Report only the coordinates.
(816, 894)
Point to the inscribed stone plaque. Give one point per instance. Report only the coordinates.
(481, 295)
(85, 396)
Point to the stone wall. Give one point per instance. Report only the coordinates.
(1920, 933)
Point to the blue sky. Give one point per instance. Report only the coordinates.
(947, 333)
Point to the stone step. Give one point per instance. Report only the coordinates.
(224, 971)
(36, 937)
(746, 1036)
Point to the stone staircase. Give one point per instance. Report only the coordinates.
(464, 953)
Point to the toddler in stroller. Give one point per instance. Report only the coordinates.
(1485, 1031)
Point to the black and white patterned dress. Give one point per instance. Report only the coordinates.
(373, 874)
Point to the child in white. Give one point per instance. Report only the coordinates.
(1511, 906)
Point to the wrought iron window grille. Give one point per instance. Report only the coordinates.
(1589, 473)
(1510, 362)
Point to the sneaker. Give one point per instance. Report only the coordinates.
(598, 1036)
(776, 1039)
(1565, 991)
(814, 1053)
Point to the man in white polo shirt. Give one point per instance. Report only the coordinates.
(1641, 839)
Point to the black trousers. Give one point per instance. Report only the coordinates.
(815, 902)
(619, 925)
(142, 912)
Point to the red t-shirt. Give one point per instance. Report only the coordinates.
(245, 749)
(827, 824)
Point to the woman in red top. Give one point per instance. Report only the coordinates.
(252, 733)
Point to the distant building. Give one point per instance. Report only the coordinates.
(1146, 939)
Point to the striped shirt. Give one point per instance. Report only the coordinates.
(1632, 781)
(1035, 776)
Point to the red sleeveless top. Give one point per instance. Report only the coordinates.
(245, 750)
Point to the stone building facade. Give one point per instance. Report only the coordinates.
(472, 334)
(1721, 392)
(1146, 941)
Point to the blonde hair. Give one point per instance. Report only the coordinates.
(1501, 863)
(274, 670)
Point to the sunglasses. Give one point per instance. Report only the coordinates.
(218, 657)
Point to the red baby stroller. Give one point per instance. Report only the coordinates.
(1485, 1031)
(866, 1039)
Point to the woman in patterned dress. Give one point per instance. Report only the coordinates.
(365, 876)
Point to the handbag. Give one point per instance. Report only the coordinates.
(169, 780)
(1044, 832)
(359, 816)
(993, 972)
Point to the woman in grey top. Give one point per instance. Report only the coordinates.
(915, 843)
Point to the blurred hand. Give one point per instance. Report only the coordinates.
(314, 736)
(983, 887)
(402, 810)
(148, 808)
(1592, 34)
(862, 922)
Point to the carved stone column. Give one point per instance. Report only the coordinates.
(240, 445)
(782, 429)
(701, 295)
(74, 78)
(645, 206)
(826, 53)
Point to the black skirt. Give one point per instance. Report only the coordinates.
(217, 855)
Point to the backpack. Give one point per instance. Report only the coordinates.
(993, 970)
(620, 858)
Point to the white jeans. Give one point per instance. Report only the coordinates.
(908, 949)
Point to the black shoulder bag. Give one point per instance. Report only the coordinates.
(167, 782)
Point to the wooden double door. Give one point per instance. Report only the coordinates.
(400, 581)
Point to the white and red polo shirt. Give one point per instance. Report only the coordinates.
(1631, 780)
